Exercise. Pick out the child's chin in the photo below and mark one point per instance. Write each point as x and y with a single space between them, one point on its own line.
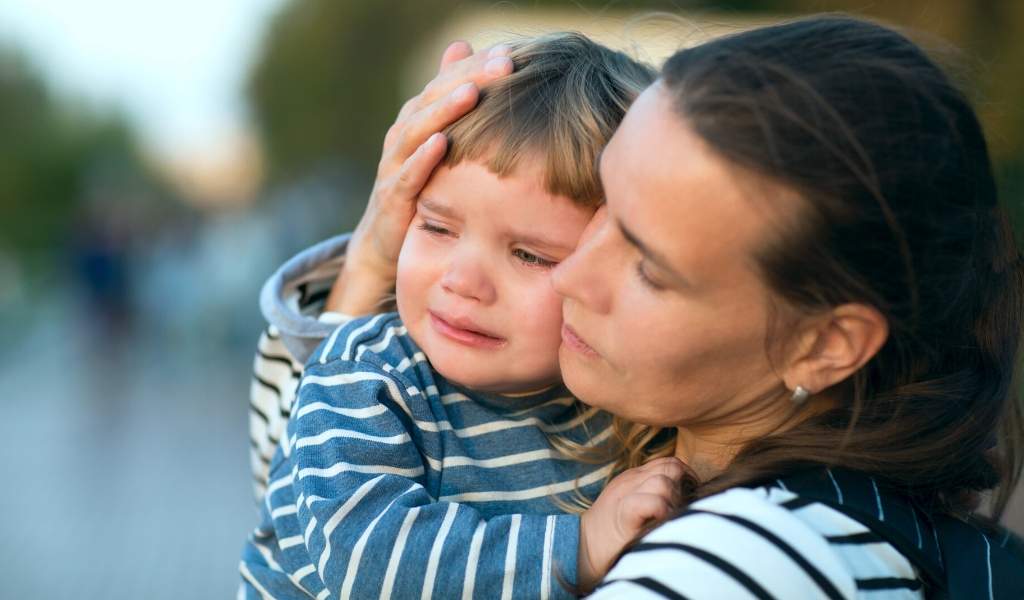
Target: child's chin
475 379
493 381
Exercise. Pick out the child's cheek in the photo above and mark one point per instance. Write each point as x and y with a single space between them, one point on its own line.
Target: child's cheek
408 268
543 313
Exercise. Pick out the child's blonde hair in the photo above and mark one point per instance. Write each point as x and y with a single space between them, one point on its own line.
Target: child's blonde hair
561 104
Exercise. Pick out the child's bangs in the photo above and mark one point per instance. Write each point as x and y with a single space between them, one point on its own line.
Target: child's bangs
559 106
504 145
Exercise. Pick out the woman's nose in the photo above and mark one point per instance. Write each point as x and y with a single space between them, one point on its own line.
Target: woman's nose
467 277
580 276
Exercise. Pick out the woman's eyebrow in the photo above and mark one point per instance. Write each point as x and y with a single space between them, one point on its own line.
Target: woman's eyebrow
655 257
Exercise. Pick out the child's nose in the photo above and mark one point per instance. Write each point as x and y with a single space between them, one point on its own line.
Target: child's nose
467 277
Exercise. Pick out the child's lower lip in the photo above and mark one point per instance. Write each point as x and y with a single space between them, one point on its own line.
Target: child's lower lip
464 336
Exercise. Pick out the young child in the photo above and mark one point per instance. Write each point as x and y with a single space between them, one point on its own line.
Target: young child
418 458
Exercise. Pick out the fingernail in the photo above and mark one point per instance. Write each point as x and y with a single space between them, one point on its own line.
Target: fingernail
499 50
463 91
498 66
434 139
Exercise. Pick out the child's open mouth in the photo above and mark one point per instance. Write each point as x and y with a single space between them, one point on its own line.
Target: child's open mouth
464 332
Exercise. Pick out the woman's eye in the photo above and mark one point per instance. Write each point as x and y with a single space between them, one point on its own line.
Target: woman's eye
532 259
646 279
434 229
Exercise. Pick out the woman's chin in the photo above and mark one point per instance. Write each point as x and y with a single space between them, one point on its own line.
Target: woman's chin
583 379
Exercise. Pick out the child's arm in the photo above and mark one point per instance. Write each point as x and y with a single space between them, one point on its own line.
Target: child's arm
358 516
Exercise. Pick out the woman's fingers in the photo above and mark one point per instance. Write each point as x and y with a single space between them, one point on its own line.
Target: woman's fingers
450 95
433 118
418 167
455 51
480 69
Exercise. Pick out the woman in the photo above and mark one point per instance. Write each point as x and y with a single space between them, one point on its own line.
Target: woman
802 266
820 186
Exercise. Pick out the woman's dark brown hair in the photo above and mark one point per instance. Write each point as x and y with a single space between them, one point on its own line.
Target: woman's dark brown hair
899 212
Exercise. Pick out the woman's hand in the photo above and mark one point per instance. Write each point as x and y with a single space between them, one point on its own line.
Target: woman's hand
412 149
631 502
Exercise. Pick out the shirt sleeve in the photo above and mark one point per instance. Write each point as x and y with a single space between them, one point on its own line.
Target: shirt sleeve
353 503
732 545
292 299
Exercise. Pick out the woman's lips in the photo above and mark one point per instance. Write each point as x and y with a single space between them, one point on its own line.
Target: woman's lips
461 332
572 340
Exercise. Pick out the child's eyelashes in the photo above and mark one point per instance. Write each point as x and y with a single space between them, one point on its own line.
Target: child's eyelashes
523 256
532 259
434 229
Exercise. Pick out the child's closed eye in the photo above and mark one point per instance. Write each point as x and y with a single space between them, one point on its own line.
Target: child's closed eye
433 229
531 259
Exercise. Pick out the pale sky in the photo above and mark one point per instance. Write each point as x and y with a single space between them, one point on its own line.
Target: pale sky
176 67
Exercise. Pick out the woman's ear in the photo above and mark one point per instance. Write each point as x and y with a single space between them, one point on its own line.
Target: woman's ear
834 346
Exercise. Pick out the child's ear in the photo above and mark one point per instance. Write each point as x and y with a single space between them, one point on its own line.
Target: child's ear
834 346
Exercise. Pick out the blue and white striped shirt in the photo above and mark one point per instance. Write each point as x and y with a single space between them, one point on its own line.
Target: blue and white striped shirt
393 482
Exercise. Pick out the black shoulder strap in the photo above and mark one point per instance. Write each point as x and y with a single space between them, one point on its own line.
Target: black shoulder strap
956 559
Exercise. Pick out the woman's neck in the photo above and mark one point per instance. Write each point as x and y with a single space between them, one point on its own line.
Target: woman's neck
708 449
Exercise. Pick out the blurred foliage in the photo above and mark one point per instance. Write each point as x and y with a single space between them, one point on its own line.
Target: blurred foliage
326 87
55 155
327 84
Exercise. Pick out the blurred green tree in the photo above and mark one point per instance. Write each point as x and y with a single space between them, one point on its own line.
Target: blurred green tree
49 151
325 87
327 84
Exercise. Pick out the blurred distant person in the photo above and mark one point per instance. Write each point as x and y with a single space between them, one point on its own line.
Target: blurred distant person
440 439
100 261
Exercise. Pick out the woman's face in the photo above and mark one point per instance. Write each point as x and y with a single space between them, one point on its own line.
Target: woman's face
665 315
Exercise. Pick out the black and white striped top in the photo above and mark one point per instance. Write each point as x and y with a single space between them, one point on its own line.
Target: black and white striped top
292 300
761 543
276 375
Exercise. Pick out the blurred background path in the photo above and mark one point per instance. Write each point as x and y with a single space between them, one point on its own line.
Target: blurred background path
124 469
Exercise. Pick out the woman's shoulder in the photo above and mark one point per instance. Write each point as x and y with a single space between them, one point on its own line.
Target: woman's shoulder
763 543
